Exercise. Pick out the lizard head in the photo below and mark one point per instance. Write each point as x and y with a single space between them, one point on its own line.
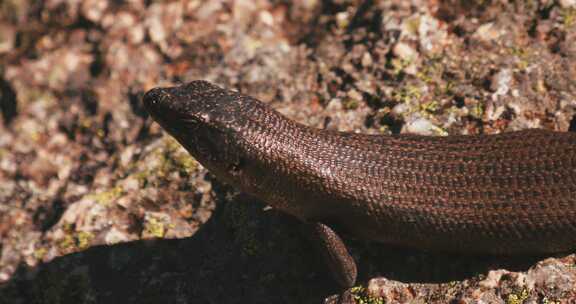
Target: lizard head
204 118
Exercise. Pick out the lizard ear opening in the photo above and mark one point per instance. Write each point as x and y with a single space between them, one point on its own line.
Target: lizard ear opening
206 145
212 145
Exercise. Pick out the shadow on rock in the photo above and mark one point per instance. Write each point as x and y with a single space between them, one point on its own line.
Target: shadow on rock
413 266
243 254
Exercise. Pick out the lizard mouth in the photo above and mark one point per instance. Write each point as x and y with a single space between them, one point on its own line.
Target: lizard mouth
186 107
164 108
168 108
157 102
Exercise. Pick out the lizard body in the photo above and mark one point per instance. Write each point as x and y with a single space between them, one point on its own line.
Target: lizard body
511 193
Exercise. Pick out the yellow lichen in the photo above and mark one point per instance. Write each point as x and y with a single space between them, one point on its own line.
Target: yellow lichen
430 70
518 298
524 56
40 253
477 111
108 196
154 227
449 88
142 177
548 301
429 107
83 239
350 104
100 133
174 158
74 240
569 16
407 94
67 243
361 296
398 65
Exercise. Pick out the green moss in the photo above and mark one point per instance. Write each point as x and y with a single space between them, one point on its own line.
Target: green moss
361 296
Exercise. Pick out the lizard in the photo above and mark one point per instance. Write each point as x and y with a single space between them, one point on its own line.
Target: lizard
508 193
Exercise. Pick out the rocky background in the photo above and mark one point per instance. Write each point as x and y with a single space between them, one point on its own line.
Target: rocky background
99 205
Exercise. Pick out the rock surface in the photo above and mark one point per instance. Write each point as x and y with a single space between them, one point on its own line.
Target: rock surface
98 205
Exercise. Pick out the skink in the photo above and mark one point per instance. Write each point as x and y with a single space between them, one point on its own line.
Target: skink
511 193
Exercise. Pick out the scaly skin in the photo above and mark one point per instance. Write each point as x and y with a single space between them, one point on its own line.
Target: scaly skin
512 193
